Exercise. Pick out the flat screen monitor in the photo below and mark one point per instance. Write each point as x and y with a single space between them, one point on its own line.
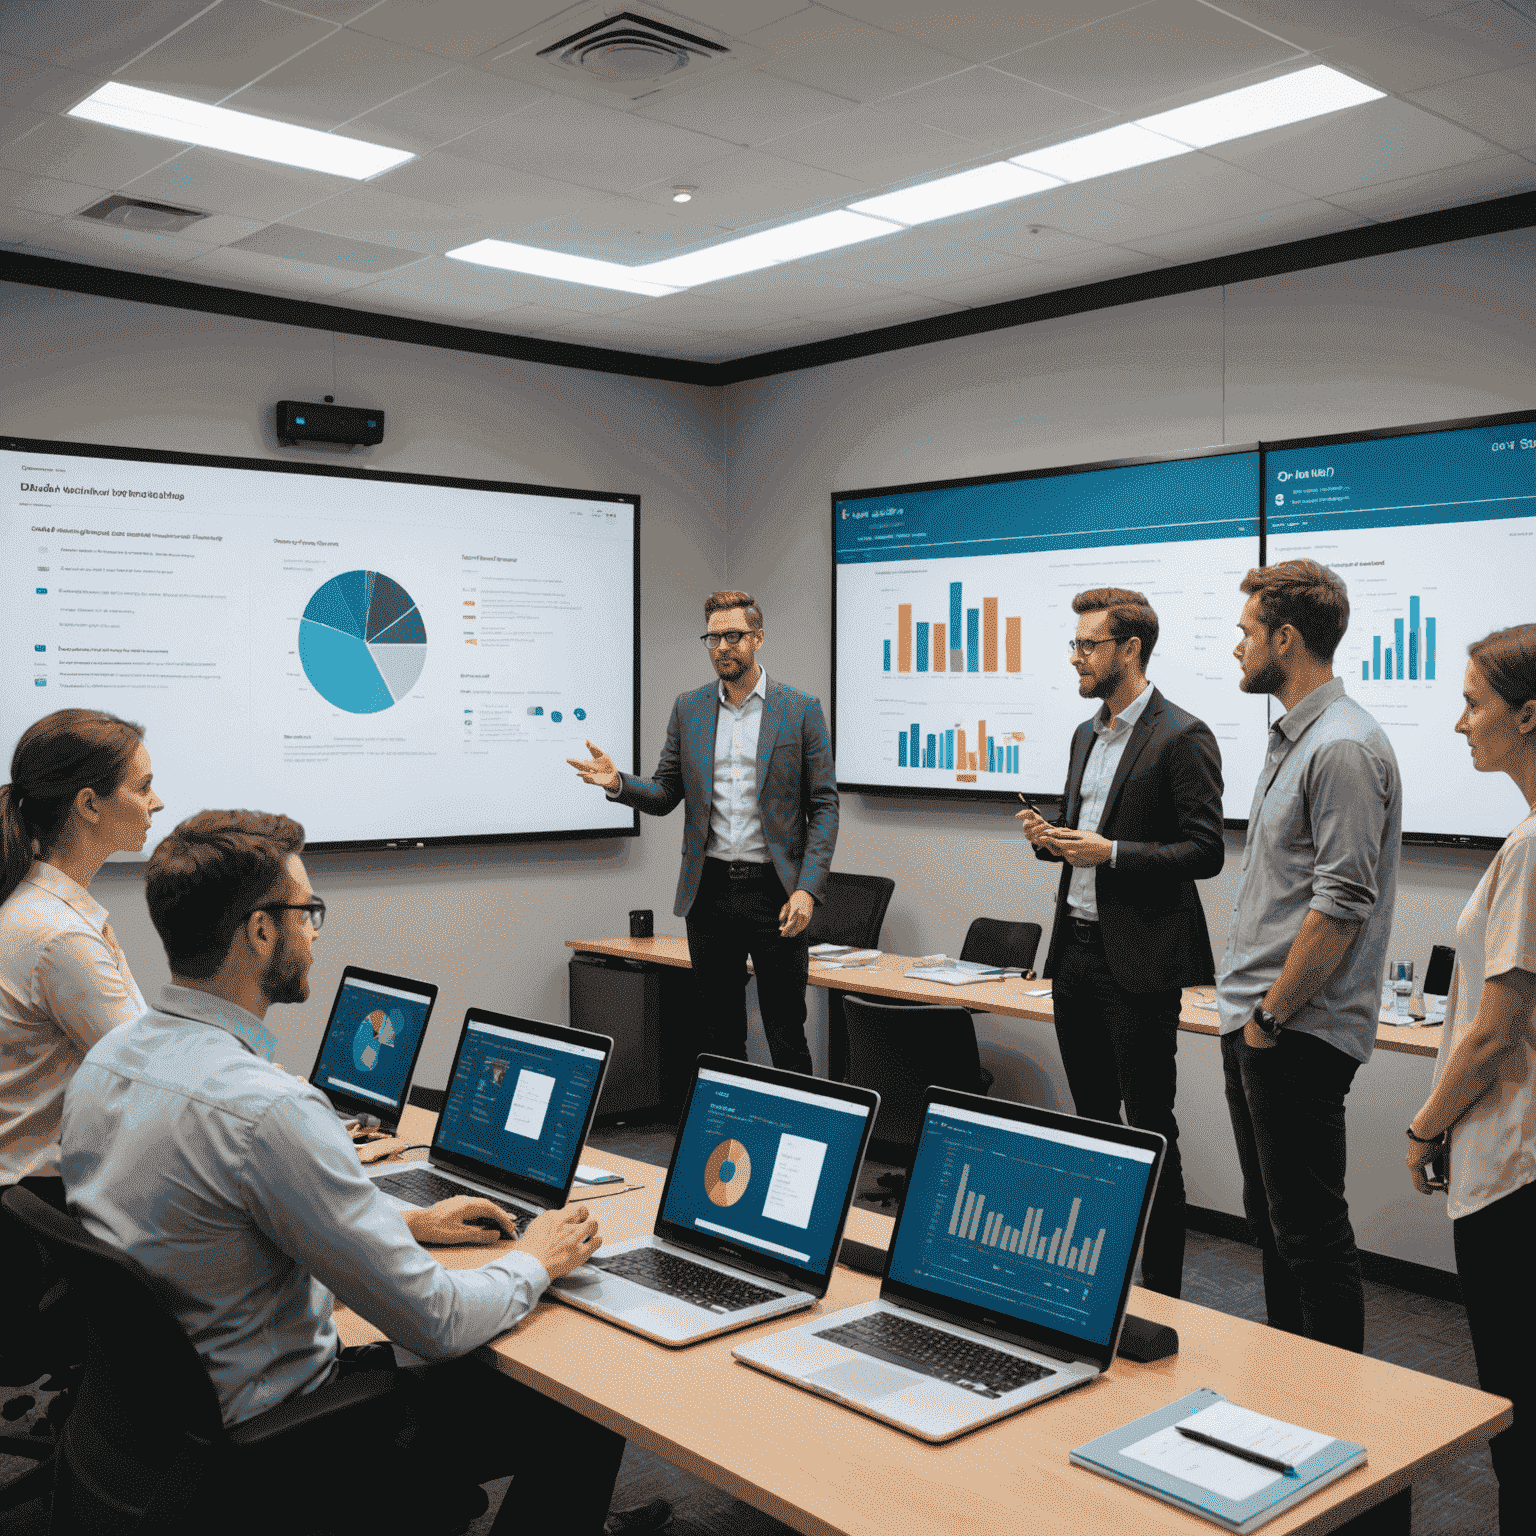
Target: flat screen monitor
394 660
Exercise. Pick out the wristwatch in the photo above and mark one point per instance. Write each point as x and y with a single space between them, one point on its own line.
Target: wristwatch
1268 1024
1428 1141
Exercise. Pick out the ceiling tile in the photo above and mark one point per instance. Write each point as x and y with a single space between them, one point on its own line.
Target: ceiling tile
1276 226
18 227
93 36
1322 23
510 200
735 18
89 239
591 146
977 30
223 49
792 290
896 309
218 229
876 146
242 269
846 57
15 121
1022 282
625 230
1500 106
1075 210
537 320
443 110
993 109
222 183
915 259
366 213
1471 41
484 290
1132 60
1176 194
1494 176
746 108
338 79
339 11
1380 141
42 194
89 153
748 187
454 29
42 87
292 243
700 310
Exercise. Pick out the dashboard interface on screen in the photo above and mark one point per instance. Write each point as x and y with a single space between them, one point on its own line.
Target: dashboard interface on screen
1435 535
371 1043
953 615
387 658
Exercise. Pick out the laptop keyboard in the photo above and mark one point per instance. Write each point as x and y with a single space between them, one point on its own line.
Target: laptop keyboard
961 1362
658 1270
420 1186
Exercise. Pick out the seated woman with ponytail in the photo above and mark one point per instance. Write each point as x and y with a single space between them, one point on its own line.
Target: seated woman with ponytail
79 792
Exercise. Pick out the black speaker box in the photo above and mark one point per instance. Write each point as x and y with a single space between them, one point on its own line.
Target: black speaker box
355 426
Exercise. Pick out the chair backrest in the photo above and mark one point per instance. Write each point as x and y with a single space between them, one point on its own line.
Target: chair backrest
145 1385
899 1051
851 911
994 941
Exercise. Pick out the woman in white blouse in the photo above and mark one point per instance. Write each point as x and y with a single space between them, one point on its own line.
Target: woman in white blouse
79 792
1482 1111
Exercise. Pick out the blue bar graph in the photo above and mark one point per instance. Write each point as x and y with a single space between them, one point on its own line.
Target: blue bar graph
1365 670
922 647
887 655
1411 656
949 749
973 639
912 750
930 757
1429 650
1376 655
1397 630
901 750
1413 639
954 616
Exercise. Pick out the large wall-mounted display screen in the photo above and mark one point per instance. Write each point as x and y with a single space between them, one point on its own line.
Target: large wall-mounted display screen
952 607
1435 534
392 659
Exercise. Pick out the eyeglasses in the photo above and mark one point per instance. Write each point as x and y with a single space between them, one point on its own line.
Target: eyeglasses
1087 647
314 911
729 636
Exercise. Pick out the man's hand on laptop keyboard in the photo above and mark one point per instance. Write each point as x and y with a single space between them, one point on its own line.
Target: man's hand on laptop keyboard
560 1240
449 1222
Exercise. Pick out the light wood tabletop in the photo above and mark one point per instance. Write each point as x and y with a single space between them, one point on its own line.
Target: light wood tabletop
828 1471
1012 997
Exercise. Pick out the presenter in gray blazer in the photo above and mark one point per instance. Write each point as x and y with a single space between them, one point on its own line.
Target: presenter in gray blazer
751 761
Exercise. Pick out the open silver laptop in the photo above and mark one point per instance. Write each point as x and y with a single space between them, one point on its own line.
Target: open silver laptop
762 1174
520 1101
1007 1275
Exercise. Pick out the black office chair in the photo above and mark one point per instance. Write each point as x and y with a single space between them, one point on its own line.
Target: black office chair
851 911
899 1051
994 941
145 1449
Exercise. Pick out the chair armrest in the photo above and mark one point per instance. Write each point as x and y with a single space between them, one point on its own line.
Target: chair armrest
335 1397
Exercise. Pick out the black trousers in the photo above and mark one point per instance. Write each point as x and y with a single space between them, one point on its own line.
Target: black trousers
1119 1049
731 919
1287 1110
1496 1287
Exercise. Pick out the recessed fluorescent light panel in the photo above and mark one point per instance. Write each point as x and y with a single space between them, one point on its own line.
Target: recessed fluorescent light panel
981 188
1273 104
241 133
1100 154
570 269
751 253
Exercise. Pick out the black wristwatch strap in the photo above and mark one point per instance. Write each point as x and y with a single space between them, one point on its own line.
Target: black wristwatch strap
1428 1141
1267 1022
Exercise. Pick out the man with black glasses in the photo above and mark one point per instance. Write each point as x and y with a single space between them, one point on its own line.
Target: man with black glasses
752 760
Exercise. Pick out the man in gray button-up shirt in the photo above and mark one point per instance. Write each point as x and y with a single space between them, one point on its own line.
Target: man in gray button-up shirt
1299 985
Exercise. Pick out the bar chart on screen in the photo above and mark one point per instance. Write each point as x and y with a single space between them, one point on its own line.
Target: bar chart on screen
1013 1234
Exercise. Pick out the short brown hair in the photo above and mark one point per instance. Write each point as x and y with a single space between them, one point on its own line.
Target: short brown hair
1306 595
206 877
723 602
1507 658
1131 616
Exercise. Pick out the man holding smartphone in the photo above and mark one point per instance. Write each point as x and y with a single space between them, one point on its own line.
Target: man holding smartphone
1141 822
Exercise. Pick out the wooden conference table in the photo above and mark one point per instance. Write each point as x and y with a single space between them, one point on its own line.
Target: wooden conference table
823 1469
1010 998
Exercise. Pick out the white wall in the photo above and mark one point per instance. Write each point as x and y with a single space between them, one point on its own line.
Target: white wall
1423 335
489 924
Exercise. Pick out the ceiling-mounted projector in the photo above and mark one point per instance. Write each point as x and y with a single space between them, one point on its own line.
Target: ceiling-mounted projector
351 426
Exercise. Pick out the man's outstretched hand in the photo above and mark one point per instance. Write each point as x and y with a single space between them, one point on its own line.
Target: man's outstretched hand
599 769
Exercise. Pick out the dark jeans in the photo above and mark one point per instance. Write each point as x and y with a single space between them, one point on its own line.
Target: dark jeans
1287 1109
1119 1048
1496 1287
729 920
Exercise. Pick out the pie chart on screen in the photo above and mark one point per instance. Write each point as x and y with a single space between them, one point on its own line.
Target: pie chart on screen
362 643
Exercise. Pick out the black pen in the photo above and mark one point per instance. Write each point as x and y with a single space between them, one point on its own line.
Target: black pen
1258 1458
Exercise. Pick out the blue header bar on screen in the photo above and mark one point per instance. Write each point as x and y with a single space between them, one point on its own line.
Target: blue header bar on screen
1171 501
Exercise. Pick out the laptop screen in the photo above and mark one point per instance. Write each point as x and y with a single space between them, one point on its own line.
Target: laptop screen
372 1041
765 1168
520 1100
1028 1221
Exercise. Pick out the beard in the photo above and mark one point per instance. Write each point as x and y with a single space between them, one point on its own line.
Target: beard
286 978
1105 687
730 666
1270 678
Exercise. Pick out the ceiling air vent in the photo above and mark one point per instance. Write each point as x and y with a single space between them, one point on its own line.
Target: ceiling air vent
136 213
628 49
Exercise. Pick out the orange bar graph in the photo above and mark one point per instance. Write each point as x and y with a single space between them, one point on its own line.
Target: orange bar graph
904 637
939 653
1012 649
980 762
960 756
989 634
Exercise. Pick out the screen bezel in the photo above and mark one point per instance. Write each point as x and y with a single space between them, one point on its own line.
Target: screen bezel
551 1197
353 1103
400 477
783 1272
1014 1330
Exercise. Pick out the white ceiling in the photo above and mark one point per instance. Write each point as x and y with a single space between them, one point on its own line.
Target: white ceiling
817 106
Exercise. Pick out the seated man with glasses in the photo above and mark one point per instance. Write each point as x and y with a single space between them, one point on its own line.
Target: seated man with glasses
233 1182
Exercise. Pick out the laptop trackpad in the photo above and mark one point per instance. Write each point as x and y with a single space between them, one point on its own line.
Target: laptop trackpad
862 1380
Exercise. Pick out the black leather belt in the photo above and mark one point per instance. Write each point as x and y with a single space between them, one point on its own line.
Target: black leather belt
1081 931
740 869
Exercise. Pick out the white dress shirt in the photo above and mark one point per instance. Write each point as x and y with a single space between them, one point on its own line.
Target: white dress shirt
62 987
233 1181
1098 774
735 822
